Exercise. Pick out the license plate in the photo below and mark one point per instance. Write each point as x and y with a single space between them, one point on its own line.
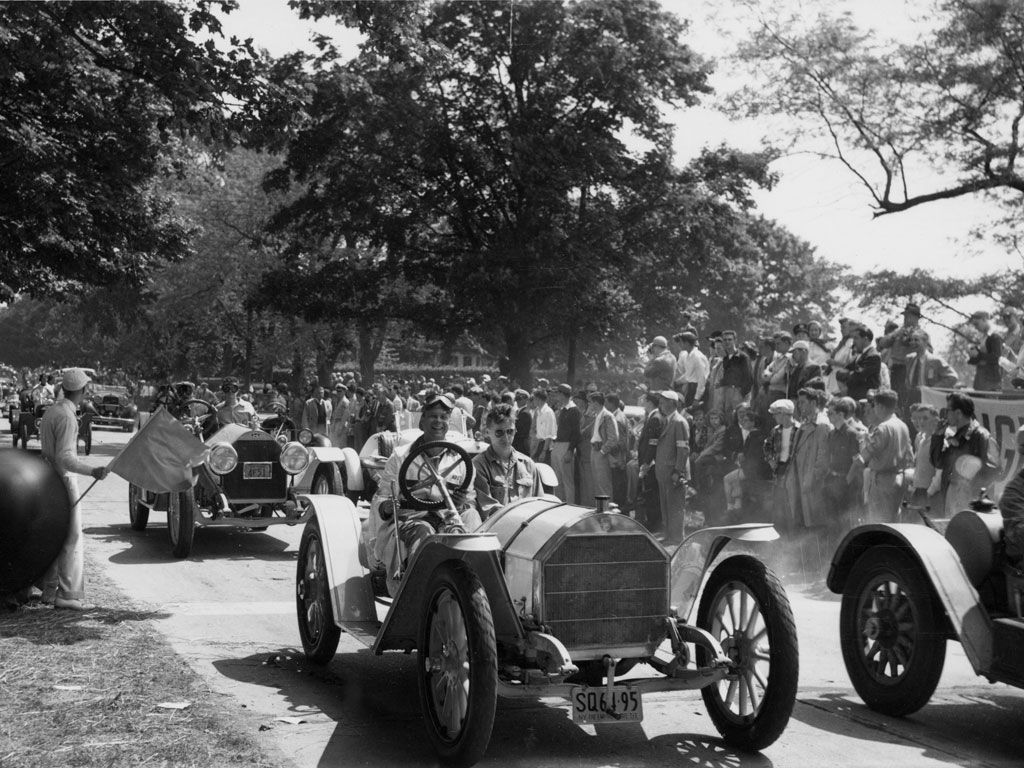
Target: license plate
256 470
595 705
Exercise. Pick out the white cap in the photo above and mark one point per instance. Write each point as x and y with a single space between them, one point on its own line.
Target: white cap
74 380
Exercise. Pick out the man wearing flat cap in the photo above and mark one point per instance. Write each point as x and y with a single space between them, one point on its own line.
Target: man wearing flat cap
567 438
672 464
434 422
64 582
988 375
887 452
661 368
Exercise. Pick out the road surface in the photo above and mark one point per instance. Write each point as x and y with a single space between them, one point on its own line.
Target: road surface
229 611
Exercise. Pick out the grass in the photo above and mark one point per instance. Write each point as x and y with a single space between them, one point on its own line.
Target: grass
82 689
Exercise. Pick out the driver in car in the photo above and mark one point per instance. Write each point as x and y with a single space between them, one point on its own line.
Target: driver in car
234 410
434 421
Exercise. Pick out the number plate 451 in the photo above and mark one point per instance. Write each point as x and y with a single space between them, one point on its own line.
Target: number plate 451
596 705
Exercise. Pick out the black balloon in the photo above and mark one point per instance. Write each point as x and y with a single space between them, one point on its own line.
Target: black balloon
35 513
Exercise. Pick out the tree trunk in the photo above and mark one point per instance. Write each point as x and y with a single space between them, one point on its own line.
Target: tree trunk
516 363
250 347
570 363
371 341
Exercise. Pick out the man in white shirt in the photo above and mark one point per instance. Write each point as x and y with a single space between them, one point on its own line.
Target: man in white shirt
42 393
547 426
235 410
694 376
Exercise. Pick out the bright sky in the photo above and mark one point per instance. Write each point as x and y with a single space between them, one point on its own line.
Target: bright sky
817 200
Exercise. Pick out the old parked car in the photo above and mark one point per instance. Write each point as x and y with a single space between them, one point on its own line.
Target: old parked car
908 588
114 407
247 480
548 599
28 423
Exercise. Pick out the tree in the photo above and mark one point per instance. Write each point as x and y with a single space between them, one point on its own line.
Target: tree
481 155
95 99
947 106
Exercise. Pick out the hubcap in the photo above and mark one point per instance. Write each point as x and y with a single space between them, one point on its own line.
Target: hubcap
888 625
737 623
447 665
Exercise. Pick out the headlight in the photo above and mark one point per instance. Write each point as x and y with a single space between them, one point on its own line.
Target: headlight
305 436
294 458
223 458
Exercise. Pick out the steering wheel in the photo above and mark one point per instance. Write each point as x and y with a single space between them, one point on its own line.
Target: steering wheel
283 424
423 478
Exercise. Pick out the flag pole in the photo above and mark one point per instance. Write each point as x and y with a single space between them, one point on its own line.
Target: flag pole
82 495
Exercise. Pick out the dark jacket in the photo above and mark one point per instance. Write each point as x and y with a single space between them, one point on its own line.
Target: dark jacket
799 376
988 376
865 372
749 453
521 442
647 444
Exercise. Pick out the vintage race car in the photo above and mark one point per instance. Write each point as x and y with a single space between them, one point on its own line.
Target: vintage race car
28 418
908 588
247 480
114 407
548 599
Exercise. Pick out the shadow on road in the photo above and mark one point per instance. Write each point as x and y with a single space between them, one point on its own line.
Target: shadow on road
153 546
373 700
957 729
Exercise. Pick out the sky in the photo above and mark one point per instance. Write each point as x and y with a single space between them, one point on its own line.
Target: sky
816 199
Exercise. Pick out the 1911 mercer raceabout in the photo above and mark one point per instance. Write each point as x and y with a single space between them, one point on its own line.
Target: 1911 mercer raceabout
551 599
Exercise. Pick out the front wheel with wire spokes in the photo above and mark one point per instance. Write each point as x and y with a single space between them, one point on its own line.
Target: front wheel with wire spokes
893 644
458 664
746 610
319 633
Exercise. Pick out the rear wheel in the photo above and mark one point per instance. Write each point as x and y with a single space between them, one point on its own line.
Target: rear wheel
317 629
893 643
458 665
138 513
86 436
181 524
23 433
746 610
327 480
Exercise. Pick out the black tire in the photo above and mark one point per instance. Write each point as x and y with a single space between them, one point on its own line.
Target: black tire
23 432
138 513
763 644
893 665
87 440
457 647
181 523
327 479
317 629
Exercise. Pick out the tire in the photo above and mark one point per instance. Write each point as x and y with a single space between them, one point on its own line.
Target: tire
23 432
885 584
457 616
87 440
181 523
751 707
138 513
327 479
317 629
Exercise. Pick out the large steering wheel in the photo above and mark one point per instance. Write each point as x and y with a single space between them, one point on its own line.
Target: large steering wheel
423 477
278 425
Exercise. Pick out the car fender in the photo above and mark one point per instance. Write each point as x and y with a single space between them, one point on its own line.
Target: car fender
690 562
348 580
940 564
353 470
480 552
326 454
548 478
318 455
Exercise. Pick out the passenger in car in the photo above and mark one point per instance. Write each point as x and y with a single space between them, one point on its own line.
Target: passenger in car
501 473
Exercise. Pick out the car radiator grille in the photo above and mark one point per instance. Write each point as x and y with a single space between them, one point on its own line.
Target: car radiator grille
260 449
605 591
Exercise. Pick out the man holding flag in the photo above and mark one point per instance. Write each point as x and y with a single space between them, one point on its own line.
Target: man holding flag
64 582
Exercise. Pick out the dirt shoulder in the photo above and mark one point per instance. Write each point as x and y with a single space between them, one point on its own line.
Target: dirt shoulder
85 689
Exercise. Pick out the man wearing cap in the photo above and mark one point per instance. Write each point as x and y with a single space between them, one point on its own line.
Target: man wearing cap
661 368
886 453
235 410
962 481
865 372
988 375
434 422
64 582
898 342
693 376
567 438
524 421
800 370
672 464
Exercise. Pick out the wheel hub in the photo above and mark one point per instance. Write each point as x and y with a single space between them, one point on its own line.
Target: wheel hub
881 628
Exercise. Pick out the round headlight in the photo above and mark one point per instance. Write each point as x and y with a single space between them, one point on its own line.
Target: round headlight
305 436
294 458
223 458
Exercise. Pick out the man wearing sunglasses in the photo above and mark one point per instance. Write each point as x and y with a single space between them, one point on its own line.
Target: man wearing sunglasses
234 410
502 474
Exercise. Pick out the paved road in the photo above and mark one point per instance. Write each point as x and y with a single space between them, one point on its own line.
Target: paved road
228 611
